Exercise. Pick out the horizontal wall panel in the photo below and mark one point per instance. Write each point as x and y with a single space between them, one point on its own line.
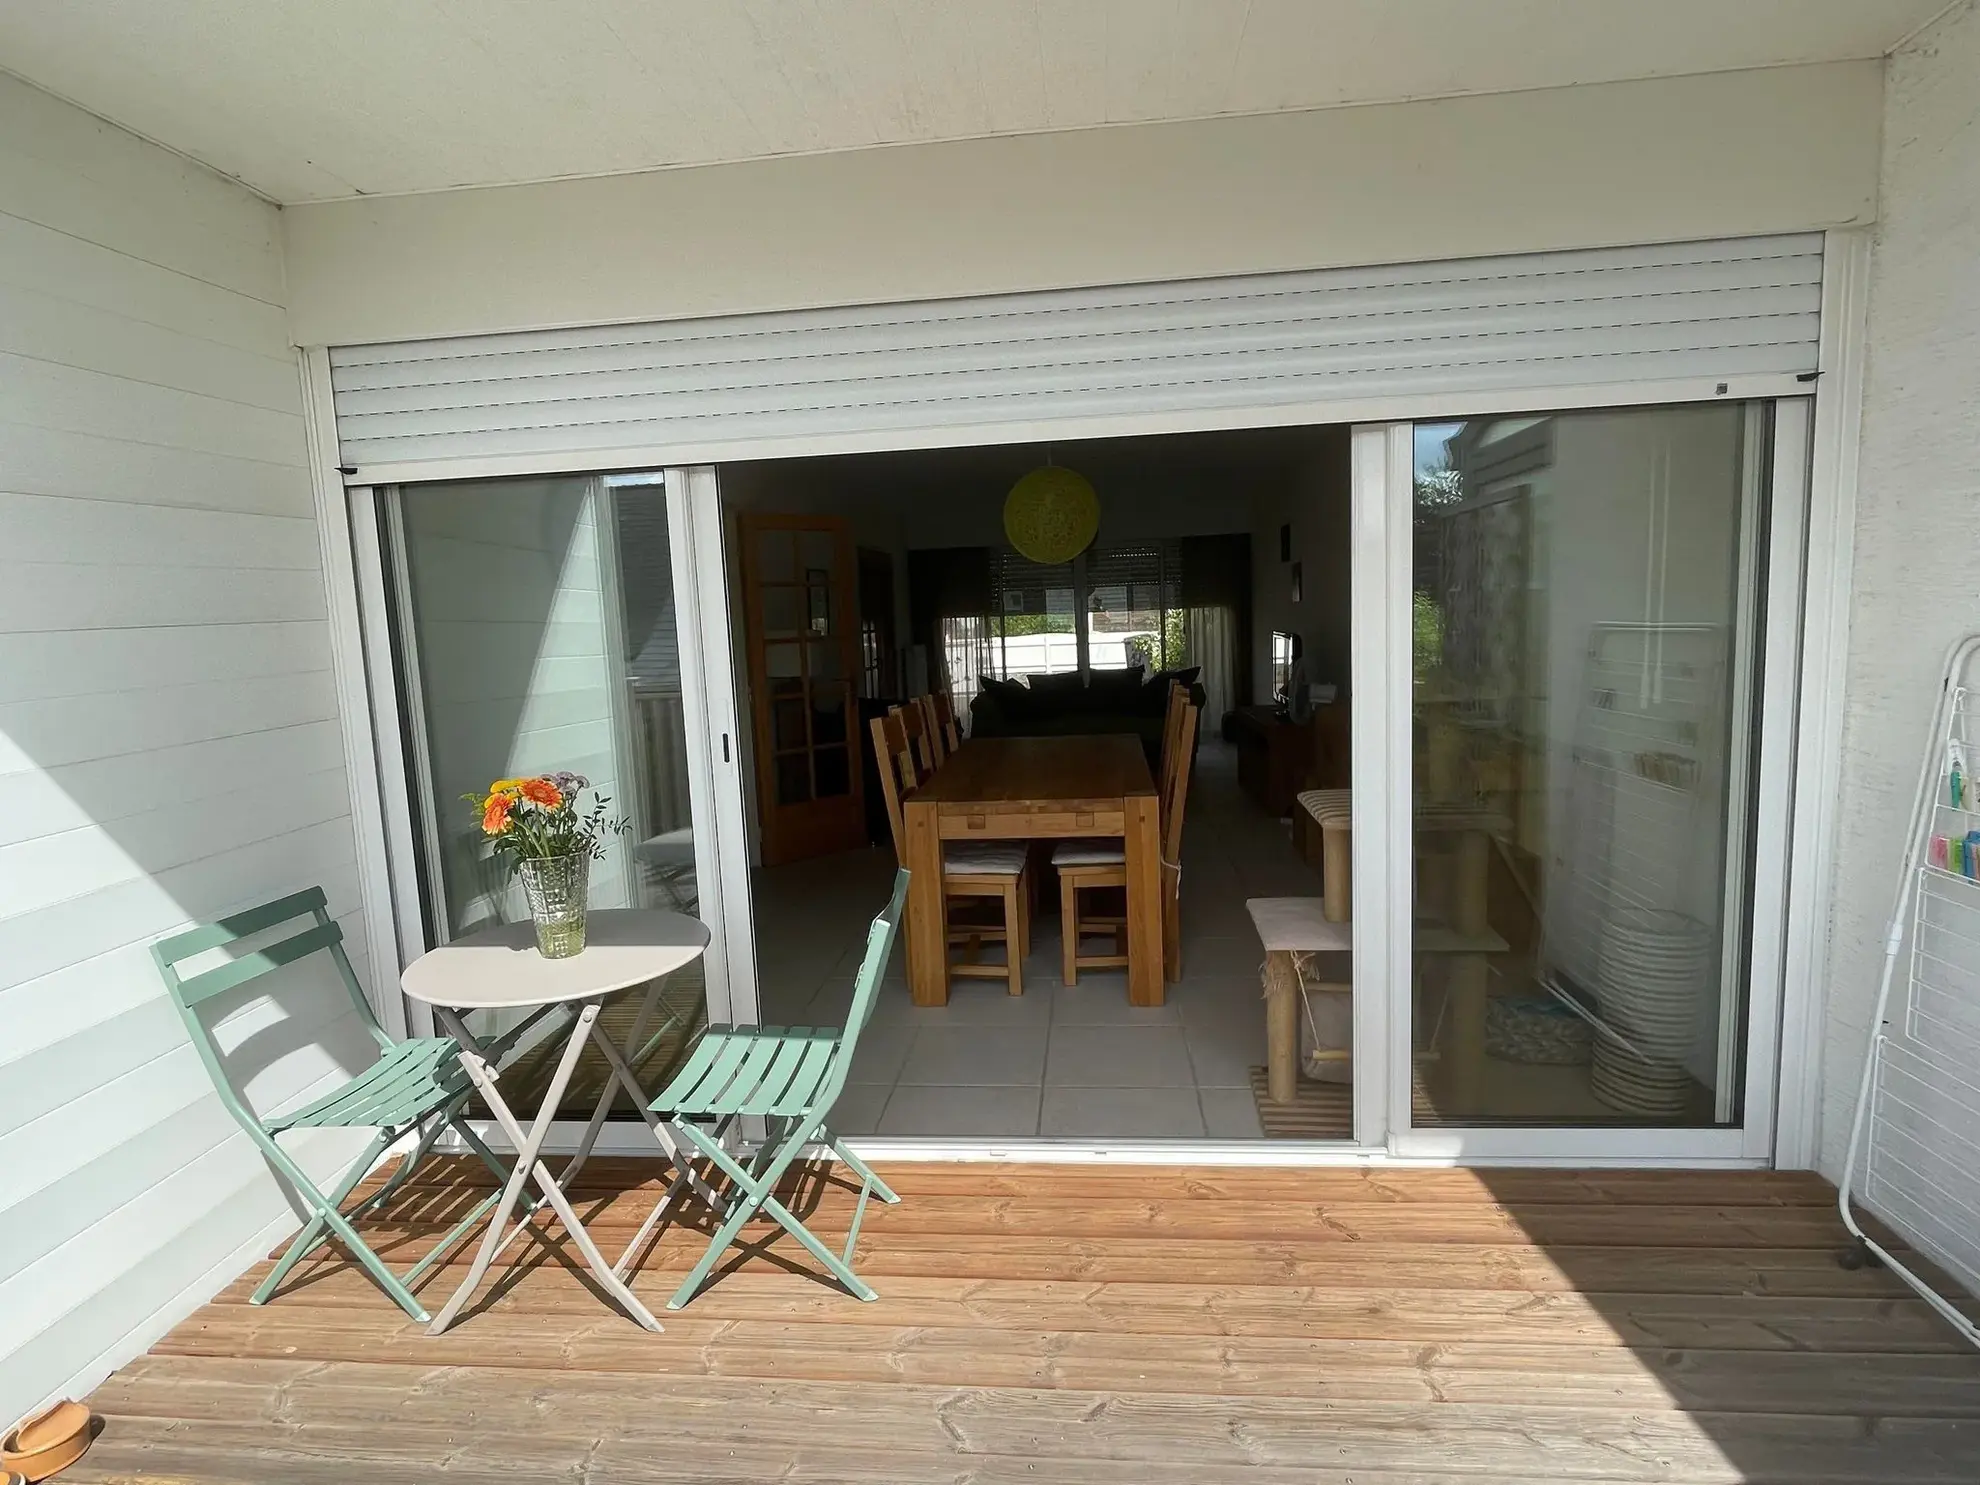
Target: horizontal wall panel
1649 314
169 743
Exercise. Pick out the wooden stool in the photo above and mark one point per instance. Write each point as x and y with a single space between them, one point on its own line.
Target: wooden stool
1295 925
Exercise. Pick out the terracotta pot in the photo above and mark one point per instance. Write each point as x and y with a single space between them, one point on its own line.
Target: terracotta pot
50 1441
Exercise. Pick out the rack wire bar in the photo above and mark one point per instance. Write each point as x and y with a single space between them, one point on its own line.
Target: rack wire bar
1914 1142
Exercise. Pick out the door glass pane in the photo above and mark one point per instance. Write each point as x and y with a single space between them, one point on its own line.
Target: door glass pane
828 715
793 778
834 775
783 611
1580 740
543 622
776 556
817 551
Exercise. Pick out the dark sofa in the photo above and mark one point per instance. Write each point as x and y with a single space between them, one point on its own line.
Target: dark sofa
1064 706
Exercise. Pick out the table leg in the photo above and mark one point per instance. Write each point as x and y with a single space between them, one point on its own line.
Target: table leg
529 1148
1142 818
927 907
619 1074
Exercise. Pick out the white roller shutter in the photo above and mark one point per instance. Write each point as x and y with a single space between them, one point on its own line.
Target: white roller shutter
1619 315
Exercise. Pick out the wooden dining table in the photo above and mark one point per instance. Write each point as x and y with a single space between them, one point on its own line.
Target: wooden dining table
1035 788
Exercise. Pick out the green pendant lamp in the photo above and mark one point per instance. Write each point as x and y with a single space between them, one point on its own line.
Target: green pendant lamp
1052 515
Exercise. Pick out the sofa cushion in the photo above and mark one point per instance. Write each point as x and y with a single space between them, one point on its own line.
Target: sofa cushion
1108 689
1064 685
1012 701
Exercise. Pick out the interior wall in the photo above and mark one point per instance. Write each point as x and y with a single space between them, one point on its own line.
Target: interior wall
1670 159
169 742
1917 503
1313 499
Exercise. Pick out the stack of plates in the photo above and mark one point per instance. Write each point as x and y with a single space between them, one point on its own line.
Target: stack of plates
1654 972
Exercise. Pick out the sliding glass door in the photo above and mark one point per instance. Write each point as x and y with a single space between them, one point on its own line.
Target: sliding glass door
555 624
1578 695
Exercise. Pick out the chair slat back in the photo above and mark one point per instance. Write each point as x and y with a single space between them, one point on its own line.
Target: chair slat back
895 759
190 992
866 989
1175 787
931 728
946 725
1172 722
914 724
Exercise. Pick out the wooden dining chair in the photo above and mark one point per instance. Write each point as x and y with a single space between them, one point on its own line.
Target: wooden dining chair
974 870
1090 865
1172 722
947 728
920 744
931 727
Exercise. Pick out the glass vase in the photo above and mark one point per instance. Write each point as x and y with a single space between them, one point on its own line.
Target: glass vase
555 887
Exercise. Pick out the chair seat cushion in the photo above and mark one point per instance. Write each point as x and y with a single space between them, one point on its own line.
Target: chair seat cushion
984 858
1090 853
751 1070
411 1080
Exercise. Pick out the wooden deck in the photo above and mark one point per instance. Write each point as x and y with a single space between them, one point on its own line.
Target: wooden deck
1108 1324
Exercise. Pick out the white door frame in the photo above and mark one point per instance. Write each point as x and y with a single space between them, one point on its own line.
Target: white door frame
370 721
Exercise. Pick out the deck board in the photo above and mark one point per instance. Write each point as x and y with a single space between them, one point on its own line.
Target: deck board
1103 1324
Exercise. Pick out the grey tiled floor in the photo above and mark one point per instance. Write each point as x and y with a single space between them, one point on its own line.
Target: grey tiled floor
1059 1061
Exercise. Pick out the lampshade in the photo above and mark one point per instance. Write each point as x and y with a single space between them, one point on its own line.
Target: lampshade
1052 514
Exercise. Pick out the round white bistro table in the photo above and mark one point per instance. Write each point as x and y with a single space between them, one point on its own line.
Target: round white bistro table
499 969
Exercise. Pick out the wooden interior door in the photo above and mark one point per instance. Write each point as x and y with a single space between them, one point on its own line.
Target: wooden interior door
801 613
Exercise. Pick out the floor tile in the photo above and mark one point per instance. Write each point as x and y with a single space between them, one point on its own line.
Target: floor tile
1121 1113
1119 1057
974 1113
976 1054
859 1107
975 1003
1223 1056
1216 1003
1100 999
1230 1114
881 1052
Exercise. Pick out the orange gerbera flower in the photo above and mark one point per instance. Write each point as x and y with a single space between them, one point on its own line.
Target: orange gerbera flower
541 791
495 816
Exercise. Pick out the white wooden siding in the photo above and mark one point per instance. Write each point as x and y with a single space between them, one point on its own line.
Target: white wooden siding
169 748
1918 504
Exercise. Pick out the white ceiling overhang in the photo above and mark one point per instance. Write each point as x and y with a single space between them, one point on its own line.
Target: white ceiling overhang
309 100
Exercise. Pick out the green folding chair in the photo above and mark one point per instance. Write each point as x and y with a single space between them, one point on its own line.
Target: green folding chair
414 1085
790 1077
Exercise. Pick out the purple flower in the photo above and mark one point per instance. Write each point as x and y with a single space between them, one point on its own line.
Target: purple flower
569 783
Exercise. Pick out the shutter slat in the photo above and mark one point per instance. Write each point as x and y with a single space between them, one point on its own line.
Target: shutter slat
1610 316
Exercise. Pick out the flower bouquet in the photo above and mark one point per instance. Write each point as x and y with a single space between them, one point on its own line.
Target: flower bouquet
535 825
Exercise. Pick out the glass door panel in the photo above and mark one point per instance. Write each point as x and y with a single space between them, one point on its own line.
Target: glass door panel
1584 619
538 632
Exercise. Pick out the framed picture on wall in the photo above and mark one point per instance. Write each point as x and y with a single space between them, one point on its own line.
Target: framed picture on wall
1285 542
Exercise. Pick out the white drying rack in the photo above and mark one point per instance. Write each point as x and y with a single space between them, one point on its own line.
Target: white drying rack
1914 1145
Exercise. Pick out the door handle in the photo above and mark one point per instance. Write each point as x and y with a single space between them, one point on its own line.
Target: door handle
725 747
